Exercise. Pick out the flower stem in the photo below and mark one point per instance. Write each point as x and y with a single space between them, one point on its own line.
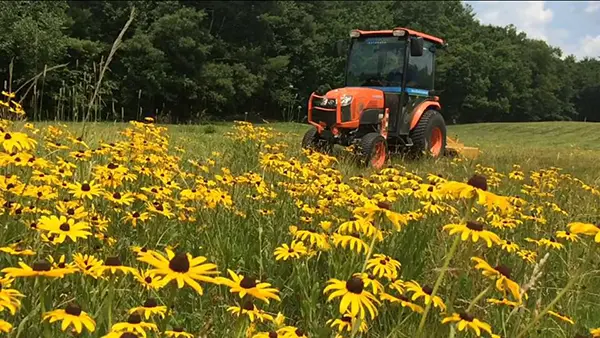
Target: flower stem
562 292
478 298
437 284
111 295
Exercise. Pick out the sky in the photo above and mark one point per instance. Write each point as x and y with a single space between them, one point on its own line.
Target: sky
573 26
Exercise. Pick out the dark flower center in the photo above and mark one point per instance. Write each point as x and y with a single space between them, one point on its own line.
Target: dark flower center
61 265
148 279
73 309
160 207
7 136
41 266
290 250
466 316
94 218
430 189
272 334
346 319
136 214
384 205
403 298
113 261
85 187
552 239
134 319
479 182
10 186
427 289
180 263
112 166
383 262
71 211
33 225
248 306
248 283
150 302
116 195
475 226
355 285
178 329
508 243
504 270
65 227
299 332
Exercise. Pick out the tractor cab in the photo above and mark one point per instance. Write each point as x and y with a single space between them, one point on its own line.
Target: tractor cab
388 91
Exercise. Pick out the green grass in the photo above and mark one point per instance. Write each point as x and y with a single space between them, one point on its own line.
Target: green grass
246 244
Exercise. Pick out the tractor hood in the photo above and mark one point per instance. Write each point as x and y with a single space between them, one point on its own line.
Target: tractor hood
359 98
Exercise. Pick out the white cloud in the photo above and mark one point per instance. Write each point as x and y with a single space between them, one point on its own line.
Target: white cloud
593 6
590 47
531 17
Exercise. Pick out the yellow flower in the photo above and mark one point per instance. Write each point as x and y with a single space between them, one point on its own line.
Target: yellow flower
501 275
425 292
15 249
475 230
149 280
113 265
347 322
585 229
403 301
178 332
150 308
504 301
251 311
181 267
383 265
16 141
465 321
40 268
71 315
85 190
353 242
87 264
509 246
135 325
5 326
567 235
353 295
63 228
246 285
294 250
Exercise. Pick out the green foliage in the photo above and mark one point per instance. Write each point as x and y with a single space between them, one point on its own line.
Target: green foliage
185 61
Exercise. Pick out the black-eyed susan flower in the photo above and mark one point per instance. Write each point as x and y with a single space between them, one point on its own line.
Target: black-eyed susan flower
134 324
503 301
595 332
527 255
474 230
402 301
291 332
149 309
9 298
383 265
346 323
5 326
353 296
87 264
134 217
561 317
250 310
41 268
181 267
425 292
295 250
353 242
398 220
63 228
178 332
465 321
501 275
548 243
148 280
567 235
16 249
113 265
509 246
245 285
314 238
371 282
72 315
16 141
85 190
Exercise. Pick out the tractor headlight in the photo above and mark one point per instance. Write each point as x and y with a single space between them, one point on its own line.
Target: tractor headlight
346 100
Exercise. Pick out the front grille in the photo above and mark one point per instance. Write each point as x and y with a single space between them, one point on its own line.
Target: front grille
328 117
346 113
318 102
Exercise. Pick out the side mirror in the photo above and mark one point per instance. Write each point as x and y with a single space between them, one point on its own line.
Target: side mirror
416 46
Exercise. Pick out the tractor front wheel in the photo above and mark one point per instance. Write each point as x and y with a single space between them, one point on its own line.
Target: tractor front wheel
373 148
429 136
312 140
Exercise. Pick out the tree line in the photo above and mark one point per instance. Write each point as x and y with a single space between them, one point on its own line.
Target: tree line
187 61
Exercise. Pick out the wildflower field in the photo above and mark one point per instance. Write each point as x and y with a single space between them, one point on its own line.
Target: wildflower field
143 230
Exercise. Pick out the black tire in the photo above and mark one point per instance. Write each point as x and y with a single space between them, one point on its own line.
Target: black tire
368 148
311 140
421 136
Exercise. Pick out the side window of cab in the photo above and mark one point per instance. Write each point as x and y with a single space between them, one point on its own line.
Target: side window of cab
420 69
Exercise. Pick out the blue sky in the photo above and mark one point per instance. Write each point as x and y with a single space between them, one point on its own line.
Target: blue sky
573 26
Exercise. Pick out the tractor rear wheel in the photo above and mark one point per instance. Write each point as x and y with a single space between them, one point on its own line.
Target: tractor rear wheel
311 140
429 136
373 148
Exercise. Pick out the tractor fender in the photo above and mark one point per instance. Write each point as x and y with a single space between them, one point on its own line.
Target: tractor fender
371 116
422 108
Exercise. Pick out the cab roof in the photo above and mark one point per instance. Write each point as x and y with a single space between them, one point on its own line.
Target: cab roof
408 31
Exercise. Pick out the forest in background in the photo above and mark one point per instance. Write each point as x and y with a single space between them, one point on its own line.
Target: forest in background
198 60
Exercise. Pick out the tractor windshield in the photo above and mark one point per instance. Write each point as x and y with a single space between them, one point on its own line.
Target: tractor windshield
376 61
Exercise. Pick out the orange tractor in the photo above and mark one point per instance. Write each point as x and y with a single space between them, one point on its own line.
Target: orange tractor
388 103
